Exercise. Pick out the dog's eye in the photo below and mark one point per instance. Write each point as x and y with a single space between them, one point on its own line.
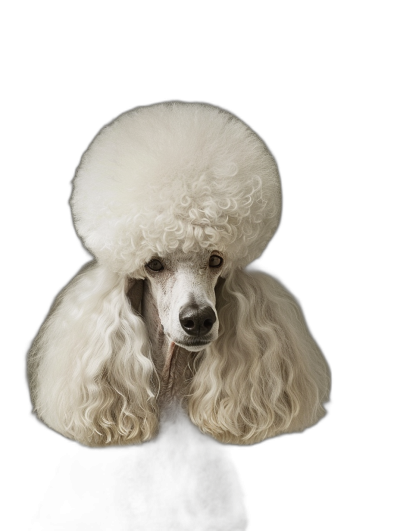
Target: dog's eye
155 265
215 261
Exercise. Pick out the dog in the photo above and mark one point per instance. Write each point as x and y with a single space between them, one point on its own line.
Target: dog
174 200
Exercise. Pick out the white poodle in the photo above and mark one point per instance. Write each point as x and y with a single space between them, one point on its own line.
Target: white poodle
174 200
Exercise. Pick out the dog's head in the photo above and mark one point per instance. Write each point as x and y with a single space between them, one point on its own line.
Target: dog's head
183 287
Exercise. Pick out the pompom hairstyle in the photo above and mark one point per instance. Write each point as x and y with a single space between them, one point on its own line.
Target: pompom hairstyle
175 175
160 178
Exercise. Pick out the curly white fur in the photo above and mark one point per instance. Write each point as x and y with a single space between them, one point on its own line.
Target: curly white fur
93 375
187 178
171 176
264 375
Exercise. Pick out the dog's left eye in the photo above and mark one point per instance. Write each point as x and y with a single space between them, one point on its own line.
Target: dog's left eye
215 261
155 265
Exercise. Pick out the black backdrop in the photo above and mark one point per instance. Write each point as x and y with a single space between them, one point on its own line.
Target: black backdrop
302 108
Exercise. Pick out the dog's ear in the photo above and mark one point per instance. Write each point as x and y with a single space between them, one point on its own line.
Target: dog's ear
90 368
264 375
134 292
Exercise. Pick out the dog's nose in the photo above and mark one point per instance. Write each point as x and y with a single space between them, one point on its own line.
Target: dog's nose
197 320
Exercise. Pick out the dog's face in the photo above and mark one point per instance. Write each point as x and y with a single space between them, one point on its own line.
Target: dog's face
183 286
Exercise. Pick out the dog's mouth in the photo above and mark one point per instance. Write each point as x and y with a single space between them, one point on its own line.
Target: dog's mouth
193 345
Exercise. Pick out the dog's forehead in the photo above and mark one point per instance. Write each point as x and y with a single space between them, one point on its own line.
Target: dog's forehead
192 260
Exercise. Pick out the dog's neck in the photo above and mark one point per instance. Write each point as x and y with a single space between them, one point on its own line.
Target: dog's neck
171 362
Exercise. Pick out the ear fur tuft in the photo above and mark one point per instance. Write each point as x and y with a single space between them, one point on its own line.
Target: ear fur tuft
90 369
264 375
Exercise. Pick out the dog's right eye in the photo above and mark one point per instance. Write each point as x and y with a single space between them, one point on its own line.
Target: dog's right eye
215 261
155 265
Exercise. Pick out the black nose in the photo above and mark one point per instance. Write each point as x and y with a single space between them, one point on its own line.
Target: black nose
197 320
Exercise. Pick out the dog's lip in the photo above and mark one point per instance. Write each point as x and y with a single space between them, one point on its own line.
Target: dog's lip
195 343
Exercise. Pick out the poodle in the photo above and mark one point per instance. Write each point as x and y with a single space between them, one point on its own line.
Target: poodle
174 200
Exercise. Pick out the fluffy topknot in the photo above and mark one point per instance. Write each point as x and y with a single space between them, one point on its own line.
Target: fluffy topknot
175 175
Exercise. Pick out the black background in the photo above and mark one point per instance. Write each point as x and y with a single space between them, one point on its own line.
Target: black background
300 94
